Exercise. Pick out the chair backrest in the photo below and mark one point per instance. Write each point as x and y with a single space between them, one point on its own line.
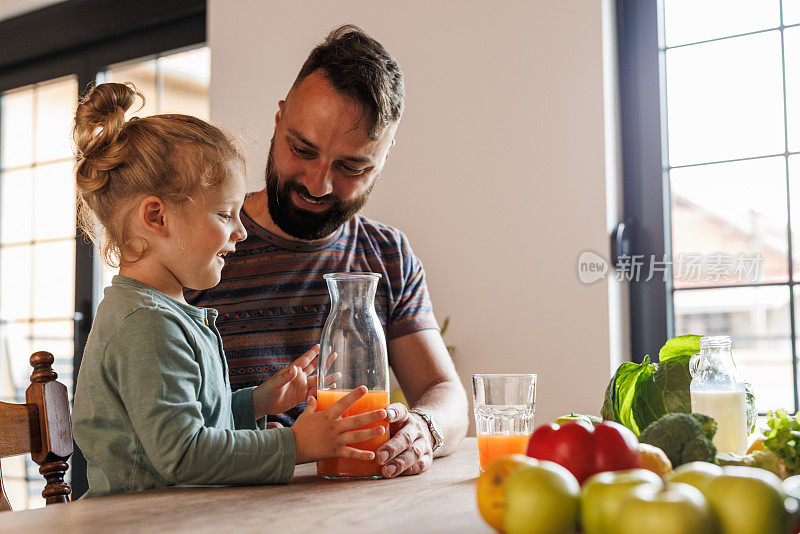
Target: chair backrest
42 427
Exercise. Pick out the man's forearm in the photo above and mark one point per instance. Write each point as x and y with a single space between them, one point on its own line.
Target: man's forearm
446 402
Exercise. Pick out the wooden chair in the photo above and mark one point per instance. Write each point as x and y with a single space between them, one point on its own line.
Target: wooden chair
42 427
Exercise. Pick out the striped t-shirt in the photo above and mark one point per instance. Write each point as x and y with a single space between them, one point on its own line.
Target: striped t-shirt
273 301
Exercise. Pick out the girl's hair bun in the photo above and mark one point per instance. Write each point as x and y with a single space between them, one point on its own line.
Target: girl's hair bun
99 120
173 157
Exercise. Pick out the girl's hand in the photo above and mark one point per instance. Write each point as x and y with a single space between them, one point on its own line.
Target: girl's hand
291 385
326 434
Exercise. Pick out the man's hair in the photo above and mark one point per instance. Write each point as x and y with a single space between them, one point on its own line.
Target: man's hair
359 67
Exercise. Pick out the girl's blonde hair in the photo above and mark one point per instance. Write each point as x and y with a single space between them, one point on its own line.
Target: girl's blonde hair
173 157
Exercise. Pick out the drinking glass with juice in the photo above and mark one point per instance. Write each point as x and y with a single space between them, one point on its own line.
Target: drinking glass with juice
504 408
354 333
493 446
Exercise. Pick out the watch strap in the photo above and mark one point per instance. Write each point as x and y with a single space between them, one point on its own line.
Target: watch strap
433 428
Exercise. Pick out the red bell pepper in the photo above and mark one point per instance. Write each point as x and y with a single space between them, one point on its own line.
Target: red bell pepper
585 449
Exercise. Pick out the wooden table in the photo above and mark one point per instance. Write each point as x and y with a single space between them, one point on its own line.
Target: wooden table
439 500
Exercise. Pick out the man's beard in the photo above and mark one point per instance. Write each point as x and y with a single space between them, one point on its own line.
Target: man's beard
302 224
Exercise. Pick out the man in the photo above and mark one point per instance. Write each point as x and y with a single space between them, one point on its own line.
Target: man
333 134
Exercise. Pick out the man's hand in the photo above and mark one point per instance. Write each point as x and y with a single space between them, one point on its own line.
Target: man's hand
291 385
410 449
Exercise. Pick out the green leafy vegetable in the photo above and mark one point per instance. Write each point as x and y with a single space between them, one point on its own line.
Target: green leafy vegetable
783 438
680 346
640 394
750 406
631 382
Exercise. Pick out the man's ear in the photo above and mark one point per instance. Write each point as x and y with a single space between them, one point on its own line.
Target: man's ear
278 113
152 216
389 151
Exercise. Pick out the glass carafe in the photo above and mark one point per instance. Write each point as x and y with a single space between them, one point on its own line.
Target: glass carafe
354 333
718 390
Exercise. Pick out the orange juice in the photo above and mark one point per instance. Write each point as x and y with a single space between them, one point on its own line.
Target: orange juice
348 467
492 446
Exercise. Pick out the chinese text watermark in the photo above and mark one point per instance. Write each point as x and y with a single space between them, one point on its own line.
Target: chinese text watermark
716 268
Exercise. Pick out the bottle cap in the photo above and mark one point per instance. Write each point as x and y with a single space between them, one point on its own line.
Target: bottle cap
715 342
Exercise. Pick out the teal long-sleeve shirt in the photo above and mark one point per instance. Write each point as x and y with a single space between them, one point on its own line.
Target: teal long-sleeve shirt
153 403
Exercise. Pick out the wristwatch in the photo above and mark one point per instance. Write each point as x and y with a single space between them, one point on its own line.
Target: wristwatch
436 433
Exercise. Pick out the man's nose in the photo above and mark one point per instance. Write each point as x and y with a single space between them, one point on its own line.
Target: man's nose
319 179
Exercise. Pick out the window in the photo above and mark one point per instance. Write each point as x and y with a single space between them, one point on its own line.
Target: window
721 113
50 278
37 231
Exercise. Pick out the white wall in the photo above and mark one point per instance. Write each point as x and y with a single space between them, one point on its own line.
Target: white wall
499 173
15 8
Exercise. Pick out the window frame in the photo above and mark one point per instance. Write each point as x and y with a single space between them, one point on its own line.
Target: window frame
82 38
646 173
644 181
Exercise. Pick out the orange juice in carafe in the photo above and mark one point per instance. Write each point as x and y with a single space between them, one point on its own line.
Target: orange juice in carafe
349 467
355 335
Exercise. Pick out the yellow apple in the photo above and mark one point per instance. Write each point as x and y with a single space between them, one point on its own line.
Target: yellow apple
603 494
748 500
677 509
541 499
697 474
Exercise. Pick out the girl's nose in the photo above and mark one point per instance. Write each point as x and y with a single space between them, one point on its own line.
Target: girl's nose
319 180
239 233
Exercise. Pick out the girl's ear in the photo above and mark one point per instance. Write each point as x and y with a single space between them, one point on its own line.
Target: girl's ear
152 215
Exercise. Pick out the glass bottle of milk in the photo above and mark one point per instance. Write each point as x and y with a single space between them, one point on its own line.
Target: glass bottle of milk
718 390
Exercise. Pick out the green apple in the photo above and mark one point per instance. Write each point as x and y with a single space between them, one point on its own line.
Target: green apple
541 499
677 509
748 500
697 474
603 494
571 418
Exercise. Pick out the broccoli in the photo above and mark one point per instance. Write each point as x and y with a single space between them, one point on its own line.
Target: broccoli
683 437
707 425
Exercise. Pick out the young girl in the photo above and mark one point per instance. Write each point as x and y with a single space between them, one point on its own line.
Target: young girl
153 404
